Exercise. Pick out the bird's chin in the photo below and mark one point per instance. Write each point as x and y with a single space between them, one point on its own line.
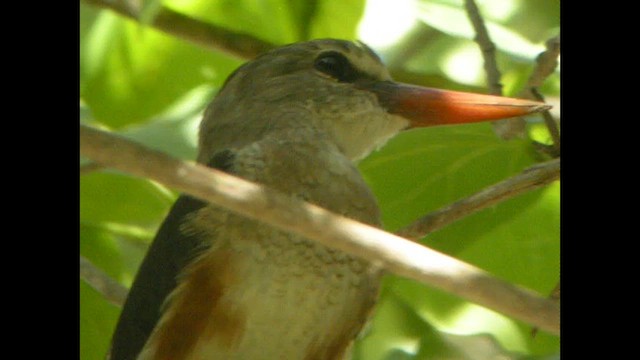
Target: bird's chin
368 134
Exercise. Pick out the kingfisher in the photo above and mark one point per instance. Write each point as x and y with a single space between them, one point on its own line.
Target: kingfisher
216 285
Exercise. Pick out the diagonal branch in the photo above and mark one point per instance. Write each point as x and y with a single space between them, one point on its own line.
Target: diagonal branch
532 178
555 296
395 254
101 282
196 31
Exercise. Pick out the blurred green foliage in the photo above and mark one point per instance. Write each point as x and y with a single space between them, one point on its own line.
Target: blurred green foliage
152 87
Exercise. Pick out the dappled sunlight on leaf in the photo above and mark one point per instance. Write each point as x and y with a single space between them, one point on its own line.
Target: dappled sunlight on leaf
400 332
175 130
131 72
422 170
120 198
453 20
517 240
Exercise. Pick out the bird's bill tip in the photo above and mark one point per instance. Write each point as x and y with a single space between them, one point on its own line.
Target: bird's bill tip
424 106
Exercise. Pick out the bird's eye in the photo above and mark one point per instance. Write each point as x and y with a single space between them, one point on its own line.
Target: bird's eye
335 65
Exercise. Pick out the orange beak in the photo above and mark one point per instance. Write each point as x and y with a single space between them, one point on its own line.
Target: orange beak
428 107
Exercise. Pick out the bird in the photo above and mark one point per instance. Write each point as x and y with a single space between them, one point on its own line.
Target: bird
216 285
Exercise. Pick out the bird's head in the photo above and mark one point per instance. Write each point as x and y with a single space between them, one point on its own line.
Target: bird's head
339 89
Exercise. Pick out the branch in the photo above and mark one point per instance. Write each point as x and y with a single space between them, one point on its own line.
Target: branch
237 44
395 254
546 64
508 128
532 178
196 31
555 296
89 168
550 123
101 282
220 39
486 46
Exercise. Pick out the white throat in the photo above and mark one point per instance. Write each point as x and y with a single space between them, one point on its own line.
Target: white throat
366 133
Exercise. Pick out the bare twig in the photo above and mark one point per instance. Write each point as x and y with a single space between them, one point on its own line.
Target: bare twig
549 122
199 32
101 282
531 178
508 128
546 64
487 47
548 150
395 254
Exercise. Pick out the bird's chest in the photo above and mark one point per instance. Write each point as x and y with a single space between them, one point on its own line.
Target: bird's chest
267 294
312 170
260 293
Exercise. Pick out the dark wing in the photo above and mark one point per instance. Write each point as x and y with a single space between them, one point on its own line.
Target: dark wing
170 251
156 278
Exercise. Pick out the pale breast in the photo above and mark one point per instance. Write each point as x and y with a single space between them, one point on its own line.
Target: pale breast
261 293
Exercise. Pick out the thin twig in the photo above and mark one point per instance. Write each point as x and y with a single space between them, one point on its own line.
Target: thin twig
531 178
549 122
546 64
395 254
196 31
547 150
486 46
101 282
508 128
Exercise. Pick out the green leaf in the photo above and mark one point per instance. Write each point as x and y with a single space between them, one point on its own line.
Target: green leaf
246 16
421 170
97 320
100 247
303 13
451 18
175 130
129 72
149 10
517 240
113 197
394 333
399 332
337 19
114 248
